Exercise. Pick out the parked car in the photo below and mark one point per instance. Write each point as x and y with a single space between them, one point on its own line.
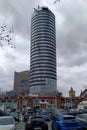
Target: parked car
7 112
83 110
27 114
83 120
15 116
7 123
1 113
65 122
74 112
36 123
46 116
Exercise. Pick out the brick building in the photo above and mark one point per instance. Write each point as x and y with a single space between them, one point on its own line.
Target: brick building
21 82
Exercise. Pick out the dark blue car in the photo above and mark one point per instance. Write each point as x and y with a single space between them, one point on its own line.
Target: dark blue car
65 122
46 116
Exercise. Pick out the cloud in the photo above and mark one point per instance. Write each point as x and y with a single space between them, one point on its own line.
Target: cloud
71 39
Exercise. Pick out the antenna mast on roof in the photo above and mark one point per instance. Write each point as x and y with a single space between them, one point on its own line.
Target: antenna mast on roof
38 4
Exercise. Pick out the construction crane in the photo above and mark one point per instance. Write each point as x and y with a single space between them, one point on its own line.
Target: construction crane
56 1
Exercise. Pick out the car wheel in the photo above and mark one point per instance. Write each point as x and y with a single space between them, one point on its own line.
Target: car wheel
52 127
25 128
59 128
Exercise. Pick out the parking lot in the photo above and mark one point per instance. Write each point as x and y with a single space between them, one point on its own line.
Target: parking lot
56 119
21 126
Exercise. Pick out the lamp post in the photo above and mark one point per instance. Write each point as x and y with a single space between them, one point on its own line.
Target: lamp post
71 103
65 103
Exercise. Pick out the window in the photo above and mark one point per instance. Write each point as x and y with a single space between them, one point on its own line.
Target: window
23 83
15 100
3 100
9 100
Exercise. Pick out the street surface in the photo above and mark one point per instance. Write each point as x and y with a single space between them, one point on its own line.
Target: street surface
21 126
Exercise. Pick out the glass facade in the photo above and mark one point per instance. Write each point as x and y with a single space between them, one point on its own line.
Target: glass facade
43 52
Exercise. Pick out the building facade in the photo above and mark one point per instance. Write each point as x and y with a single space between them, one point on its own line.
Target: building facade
71 93
83 93
21 82
43 77
49 102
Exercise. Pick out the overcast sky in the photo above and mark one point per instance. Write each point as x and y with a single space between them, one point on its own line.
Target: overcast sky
71 40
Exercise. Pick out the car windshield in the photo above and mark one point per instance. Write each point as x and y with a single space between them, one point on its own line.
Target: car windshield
84 117
6 121
13 114
68 118
29 112
36 118
44 113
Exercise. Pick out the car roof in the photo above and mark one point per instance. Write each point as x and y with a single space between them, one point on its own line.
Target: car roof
84 114
6 117
37 116
68 116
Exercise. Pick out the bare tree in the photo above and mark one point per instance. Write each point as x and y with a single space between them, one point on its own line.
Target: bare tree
6 36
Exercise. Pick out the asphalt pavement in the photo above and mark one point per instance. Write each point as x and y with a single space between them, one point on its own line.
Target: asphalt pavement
21 126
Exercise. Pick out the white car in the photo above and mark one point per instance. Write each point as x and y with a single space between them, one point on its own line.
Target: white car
7 123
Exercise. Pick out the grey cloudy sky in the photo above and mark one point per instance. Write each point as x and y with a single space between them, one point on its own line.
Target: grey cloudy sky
71 40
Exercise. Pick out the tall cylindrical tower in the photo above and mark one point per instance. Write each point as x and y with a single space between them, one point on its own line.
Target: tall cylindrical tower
43 52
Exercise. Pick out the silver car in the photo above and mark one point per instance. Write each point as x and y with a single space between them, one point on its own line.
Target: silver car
7 123
83 120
